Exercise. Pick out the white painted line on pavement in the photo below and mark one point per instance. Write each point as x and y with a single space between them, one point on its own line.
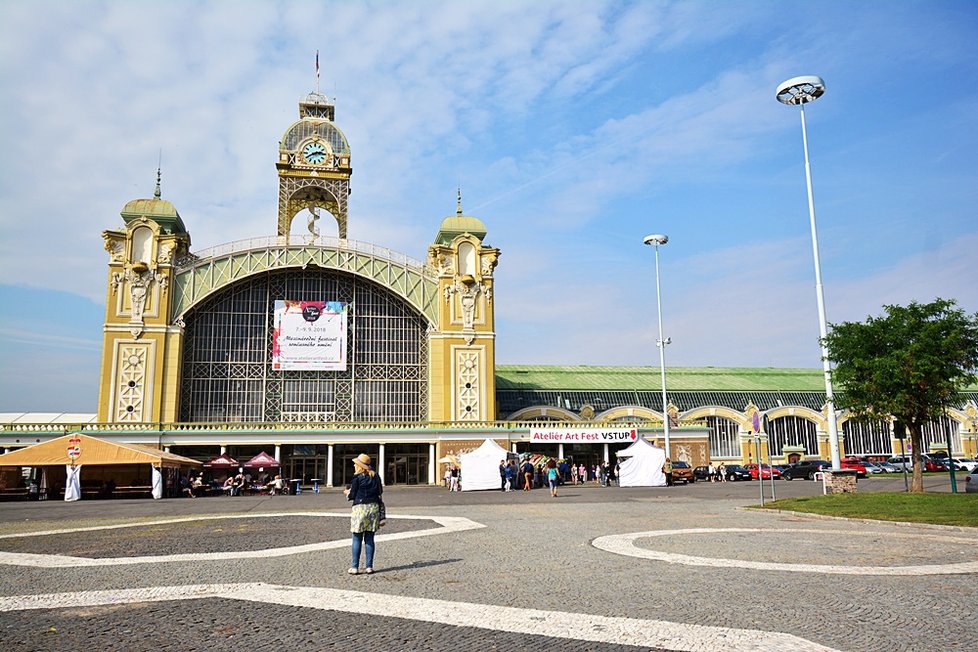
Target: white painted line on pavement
448 525
554 624
624 544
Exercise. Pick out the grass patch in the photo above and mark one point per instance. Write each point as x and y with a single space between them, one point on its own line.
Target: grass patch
939 509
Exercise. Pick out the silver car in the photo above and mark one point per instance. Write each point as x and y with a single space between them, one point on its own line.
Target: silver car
971 482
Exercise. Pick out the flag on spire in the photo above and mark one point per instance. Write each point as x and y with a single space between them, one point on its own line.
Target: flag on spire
317 70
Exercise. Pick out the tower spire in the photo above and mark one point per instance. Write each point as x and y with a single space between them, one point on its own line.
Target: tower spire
458 206
157 194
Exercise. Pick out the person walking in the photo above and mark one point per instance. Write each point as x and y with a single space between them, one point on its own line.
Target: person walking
722 472
454 480
667 469
510 474
552 477
365 491
712 472
502 475
581 474
573 473
527 470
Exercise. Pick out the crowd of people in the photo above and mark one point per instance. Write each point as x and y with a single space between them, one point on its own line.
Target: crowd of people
235 485
526 475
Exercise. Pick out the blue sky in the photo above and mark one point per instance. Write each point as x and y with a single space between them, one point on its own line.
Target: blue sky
573 128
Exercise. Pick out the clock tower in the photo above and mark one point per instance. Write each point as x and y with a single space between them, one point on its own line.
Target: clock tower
313 168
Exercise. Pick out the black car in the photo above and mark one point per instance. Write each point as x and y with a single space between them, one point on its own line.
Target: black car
701 473
805 469
736 472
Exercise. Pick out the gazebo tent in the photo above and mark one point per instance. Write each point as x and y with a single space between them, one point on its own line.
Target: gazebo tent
261 460
223 461
480 468
641 465
92 451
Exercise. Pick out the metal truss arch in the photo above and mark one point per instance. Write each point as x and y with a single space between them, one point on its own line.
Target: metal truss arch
200 276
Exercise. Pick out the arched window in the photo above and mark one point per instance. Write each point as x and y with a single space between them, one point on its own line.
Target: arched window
935 432
466 259
867 437
142 245
791 431
724 437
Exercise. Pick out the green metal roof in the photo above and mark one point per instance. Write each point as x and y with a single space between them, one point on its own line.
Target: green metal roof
594 378
648 378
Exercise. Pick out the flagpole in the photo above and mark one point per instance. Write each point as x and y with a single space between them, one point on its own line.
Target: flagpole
317 72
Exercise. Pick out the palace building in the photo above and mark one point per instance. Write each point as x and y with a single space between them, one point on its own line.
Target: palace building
317 348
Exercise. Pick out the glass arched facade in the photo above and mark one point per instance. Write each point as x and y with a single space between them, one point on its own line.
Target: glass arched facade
867 437
792 431
724 437
227 371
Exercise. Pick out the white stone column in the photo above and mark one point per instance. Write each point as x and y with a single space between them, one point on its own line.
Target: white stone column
329 465
560 451
166 449
380 464
224 449
432 465
606 459
278 453
514 447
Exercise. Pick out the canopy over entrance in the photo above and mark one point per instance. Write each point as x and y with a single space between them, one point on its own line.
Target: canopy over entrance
92 451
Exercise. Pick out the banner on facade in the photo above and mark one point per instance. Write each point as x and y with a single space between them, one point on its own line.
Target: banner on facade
582 435
309 335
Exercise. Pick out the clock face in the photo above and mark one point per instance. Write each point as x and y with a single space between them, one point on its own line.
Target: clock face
315 153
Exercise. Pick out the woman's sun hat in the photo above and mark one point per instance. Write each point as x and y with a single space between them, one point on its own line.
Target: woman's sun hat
362 461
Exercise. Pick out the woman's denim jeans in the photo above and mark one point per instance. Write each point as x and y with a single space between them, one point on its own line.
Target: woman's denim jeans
365 540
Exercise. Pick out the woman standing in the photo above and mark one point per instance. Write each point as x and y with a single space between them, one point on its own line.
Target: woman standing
365 492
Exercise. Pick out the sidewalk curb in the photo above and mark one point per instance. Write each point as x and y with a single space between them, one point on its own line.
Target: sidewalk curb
826 517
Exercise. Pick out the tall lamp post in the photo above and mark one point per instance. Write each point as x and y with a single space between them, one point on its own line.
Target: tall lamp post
800 91
657 239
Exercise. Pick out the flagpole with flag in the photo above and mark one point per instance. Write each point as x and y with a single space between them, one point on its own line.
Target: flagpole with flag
317 72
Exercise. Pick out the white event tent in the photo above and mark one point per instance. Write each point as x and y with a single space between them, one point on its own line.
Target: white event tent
641 465
480 468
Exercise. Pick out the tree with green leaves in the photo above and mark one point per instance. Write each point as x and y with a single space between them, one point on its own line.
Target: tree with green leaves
910 365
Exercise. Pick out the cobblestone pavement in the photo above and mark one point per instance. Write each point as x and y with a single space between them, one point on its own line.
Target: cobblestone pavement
531 578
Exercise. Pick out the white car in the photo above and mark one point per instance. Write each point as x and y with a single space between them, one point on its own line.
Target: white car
964 464
902 462
971 482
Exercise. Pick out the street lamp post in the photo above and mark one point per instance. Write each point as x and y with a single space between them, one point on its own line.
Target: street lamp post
800 91
657 239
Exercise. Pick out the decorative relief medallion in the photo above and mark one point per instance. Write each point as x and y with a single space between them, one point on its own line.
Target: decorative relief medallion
467 404
131 383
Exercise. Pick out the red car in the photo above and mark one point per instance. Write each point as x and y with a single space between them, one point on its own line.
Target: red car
766 471
855 465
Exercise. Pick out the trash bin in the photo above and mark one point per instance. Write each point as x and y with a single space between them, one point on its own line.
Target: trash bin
315 485
296 487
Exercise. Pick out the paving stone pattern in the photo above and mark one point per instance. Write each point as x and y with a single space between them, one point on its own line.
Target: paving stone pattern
535 552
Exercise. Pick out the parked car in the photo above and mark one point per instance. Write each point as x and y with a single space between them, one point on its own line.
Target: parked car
782 467
736 472
889 468
902 462
872 467
934 464
682 472
806 469
964 464
701 473
971 482
765 471
853 464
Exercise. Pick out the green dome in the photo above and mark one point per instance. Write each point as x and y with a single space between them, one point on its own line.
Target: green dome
458 224
159 210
